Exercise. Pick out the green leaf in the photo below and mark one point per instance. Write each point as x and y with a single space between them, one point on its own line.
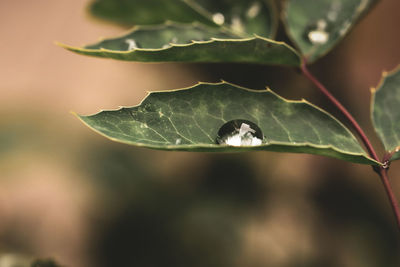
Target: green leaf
189 119
190 43
386 112
317 26
243 16
143 12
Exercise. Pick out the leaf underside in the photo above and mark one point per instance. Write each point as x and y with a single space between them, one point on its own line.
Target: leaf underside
190 43
386 112
189 120
317 26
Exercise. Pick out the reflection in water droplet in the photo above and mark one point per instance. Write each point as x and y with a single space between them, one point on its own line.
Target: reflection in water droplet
240 133
131 44
253 10
218 18
317 33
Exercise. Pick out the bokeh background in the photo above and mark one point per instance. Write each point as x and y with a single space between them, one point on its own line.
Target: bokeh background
69 194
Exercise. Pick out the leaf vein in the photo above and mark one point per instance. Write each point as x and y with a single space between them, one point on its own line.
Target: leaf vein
282 126
180 134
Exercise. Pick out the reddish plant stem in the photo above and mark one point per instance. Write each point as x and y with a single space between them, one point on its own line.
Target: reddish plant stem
392 198
342 109
382 171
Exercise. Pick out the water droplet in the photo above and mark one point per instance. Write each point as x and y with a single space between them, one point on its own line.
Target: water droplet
149 107
386 164
132 45
178 141
334 11
318 37
174 40
321 24
134 114
218 18
317 33
240 133
253 10
237 24
332 16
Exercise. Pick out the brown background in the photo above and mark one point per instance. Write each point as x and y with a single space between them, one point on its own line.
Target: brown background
72 195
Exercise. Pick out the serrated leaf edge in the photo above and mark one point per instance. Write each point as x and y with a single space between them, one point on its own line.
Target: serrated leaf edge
242 148
169 23
374 90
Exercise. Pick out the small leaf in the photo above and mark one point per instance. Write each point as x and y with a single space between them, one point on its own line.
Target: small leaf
190 43
144 12
191 119
317 26
241 16
386 112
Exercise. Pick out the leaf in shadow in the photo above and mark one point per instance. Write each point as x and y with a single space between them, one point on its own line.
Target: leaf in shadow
386 112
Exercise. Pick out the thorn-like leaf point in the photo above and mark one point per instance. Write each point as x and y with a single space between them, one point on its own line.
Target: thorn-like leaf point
190 119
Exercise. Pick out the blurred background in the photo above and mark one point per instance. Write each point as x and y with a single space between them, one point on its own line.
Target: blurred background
69 194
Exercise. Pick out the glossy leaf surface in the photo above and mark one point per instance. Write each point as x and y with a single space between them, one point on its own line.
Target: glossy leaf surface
243 16
190 43
317 26
386 112
143 12
190 119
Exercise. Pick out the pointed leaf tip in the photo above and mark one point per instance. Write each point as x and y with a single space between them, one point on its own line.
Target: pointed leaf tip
190 43
192 119
317 26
